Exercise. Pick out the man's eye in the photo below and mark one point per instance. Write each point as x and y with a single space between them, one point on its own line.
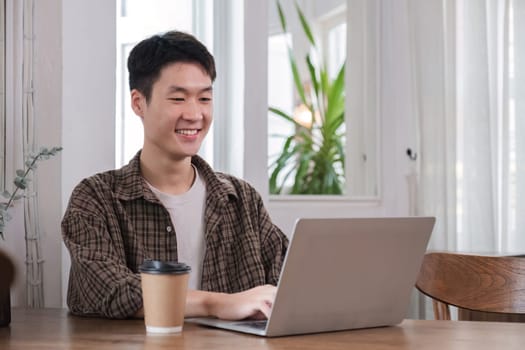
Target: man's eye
205 99
177 99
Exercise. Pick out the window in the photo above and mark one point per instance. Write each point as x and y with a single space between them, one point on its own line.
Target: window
308 152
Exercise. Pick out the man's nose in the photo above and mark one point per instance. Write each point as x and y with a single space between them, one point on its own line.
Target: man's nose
192 111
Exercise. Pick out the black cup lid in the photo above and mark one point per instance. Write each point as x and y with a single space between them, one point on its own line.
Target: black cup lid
157 266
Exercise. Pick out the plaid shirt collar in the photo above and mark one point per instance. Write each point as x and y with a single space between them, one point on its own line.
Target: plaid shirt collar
132 185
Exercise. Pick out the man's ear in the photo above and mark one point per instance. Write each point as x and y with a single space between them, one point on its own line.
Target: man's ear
138 102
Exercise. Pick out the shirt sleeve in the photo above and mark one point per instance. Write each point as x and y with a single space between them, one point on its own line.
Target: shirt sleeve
100 283
273 247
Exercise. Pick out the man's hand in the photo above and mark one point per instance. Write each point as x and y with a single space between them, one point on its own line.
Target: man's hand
254 303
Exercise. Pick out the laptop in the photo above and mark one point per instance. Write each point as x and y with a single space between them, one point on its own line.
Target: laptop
341 274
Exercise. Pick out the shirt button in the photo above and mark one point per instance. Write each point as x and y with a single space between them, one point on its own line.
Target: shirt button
168 228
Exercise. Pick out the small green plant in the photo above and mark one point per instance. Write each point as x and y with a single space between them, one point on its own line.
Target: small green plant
314 153
21 180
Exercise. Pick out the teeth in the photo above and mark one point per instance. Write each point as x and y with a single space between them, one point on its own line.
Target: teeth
188 132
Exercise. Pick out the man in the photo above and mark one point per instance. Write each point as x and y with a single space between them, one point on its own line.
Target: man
168 204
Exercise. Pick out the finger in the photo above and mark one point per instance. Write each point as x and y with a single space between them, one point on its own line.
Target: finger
265 308
259 316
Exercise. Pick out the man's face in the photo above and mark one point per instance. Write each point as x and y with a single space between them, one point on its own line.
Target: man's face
179 113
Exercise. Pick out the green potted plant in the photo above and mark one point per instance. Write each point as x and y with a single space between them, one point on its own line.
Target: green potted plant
21 181
314 153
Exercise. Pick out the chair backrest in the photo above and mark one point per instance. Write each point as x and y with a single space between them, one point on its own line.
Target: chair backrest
488 284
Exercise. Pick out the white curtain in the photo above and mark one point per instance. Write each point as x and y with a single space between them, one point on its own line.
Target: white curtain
468 82
468 59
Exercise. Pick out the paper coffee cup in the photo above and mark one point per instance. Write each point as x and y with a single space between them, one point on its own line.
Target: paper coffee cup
164 289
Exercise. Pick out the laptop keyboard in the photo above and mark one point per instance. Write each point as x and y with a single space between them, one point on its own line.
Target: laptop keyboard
256 324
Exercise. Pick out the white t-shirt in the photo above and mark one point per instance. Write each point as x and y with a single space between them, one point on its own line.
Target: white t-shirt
187 214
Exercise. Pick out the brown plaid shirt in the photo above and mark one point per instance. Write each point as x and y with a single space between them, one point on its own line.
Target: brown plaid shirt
114 222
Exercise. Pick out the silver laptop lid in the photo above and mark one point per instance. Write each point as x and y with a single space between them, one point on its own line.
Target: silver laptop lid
348 273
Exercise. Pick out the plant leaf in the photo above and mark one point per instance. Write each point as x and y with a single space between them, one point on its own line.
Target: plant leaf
336 95
5 216
280 164
296 76
305 25
313 76
282 18
283 115
20 182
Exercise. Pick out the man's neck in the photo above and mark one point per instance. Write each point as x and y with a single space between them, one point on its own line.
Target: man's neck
169 175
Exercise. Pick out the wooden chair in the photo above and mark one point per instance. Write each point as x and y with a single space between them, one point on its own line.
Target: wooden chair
484 288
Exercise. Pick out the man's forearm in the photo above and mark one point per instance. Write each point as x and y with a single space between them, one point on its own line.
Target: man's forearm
201 303
198 304
252 303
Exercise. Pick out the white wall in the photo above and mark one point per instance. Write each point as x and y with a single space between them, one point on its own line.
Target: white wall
48 97
88 103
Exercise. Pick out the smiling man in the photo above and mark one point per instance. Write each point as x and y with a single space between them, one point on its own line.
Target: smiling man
169 204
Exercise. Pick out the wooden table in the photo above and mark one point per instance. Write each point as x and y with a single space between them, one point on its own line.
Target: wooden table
55 329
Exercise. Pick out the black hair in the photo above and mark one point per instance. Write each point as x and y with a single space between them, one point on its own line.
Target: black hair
151 55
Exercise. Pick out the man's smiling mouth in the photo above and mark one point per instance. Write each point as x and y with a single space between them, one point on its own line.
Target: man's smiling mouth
187 132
